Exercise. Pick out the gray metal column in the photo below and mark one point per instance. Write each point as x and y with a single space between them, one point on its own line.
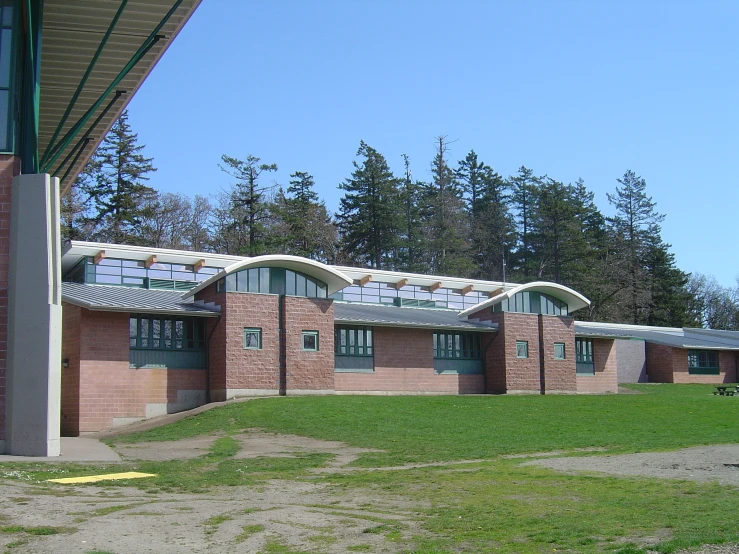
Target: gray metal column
33 381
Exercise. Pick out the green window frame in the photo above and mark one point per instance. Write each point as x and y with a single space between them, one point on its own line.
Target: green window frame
7 70
352 340
252 338
456 345
309 340
522 349
584 362
559 351
161 332
703 362
166 342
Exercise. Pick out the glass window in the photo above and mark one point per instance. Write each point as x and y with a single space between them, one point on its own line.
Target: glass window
310 341
584 351
461 346
155 332
252 338
584 356
703 362
522 349
353 341
559 351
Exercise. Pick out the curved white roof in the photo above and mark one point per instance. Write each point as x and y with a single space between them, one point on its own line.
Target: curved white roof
574 299
334 279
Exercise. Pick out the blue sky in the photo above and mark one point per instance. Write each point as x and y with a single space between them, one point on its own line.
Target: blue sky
568 88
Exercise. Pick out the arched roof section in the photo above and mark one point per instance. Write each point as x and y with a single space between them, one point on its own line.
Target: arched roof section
574 299
334 279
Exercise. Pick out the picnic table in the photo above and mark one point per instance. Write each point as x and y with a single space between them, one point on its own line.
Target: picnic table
726 390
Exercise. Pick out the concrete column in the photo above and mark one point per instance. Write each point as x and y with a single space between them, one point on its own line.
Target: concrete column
33 393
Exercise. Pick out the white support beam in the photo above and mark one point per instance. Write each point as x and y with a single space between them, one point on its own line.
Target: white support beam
33 382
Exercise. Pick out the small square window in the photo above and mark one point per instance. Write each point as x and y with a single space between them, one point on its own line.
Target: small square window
252 339
559 351
522 349
310 341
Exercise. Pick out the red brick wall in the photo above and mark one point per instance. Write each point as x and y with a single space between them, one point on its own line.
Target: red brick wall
252 369
670 365
522 374
106 387
660 363
404 362
559 375
606 369
70 399
9 166
215 334
309 370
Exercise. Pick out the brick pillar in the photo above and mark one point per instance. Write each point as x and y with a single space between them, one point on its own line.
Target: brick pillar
9 167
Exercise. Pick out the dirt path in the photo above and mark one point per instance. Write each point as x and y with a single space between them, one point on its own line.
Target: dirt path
302 514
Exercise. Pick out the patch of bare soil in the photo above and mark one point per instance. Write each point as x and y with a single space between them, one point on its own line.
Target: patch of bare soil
302 515
253 444
700 463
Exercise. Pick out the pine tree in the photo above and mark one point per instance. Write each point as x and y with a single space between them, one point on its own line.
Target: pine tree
445 221
636 225
116 189
490 224
249 209
556 231
308 229
369 215
410 251
524 187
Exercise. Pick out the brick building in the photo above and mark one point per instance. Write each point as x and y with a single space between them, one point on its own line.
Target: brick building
150 331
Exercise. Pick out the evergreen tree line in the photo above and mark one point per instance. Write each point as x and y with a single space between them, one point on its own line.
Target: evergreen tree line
466 220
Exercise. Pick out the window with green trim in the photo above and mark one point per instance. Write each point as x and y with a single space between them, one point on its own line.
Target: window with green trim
459 346
522 349
272 280
166 342
166 333
559 351
584 357
6 75
703 362
353 341
252 338
532 302
310 341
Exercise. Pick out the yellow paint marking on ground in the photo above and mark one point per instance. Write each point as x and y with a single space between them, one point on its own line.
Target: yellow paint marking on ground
106 477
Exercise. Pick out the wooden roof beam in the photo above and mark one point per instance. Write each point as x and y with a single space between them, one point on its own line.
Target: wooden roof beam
150 261
364 280
435 286
197 266
467 290
495 292
400 284
100 256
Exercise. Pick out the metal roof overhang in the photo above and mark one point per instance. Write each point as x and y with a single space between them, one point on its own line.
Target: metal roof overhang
95 54
75 250
335 280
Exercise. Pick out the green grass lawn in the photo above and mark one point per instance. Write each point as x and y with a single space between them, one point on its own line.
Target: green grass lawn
495 505
445 428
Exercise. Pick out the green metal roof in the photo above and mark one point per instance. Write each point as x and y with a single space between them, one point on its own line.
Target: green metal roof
94 56
109 298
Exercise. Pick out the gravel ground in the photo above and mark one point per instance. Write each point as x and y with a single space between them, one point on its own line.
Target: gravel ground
301 514
701 463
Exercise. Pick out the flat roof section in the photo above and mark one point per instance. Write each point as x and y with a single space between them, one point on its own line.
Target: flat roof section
699 339
393 316
110 298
